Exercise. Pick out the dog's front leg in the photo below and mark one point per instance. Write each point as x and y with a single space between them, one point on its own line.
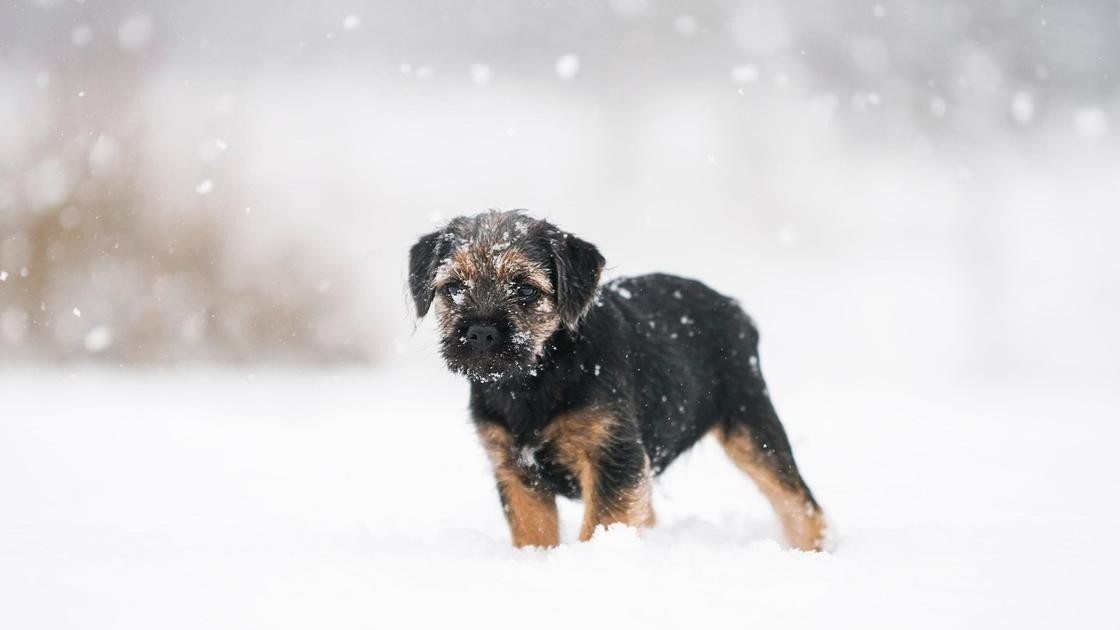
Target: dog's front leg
613 469
530 511
615 488
531 514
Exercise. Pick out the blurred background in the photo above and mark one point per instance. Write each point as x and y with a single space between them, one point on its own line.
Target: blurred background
896 190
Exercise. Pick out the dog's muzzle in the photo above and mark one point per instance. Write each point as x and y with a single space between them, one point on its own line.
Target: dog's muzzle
482 338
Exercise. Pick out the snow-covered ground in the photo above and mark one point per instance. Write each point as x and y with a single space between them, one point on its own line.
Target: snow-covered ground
360 499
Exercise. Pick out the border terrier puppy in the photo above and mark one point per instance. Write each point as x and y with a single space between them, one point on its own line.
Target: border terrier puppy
588 393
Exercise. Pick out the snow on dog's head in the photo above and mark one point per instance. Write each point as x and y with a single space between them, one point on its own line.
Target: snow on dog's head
503 284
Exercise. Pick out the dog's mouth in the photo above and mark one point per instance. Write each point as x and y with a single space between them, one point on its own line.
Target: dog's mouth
512 357
490 369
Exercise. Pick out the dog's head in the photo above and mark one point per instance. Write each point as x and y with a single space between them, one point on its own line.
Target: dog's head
502 284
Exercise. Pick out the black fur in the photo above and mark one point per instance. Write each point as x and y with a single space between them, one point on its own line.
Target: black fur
669 358
669 355
577 265
423 259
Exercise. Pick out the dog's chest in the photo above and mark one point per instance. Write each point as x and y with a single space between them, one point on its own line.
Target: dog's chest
527 414
538 464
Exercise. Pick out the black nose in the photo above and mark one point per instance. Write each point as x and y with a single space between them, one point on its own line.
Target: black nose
482 337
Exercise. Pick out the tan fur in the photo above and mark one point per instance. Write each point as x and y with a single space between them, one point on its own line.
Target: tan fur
579 439
805 526
530 512
488 260
503 265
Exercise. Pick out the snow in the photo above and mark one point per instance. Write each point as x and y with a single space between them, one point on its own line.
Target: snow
13 325
528 455
48 183
959 222
135 33
745 73
938 107
1091 123
629 9
787 235
236 499
1022 107
103 152
81 35
481 74
567 66
685 25
98 339
761 28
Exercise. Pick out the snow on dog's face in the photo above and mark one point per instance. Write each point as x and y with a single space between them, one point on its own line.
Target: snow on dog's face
503 284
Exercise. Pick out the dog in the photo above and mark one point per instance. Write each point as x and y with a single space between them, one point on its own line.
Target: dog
588 392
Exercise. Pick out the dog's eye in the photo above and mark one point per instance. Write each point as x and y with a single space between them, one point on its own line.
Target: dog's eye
525 292
452 289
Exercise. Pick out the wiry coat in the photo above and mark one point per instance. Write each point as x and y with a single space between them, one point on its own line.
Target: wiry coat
591 392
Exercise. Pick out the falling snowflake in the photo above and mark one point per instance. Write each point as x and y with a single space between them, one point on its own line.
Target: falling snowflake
685 25
567 66
746 73
481 74
98 339
135 33
81 35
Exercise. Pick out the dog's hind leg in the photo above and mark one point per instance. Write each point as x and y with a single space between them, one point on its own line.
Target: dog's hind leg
756 442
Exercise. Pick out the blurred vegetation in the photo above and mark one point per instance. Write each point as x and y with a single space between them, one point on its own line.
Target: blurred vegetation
130 219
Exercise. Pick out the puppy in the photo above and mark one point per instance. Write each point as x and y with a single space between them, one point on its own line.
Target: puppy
588 393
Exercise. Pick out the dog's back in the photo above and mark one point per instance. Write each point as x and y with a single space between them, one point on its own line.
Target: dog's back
693 353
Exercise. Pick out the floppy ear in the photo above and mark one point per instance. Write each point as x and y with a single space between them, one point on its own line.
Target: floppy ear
578 266
423 261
